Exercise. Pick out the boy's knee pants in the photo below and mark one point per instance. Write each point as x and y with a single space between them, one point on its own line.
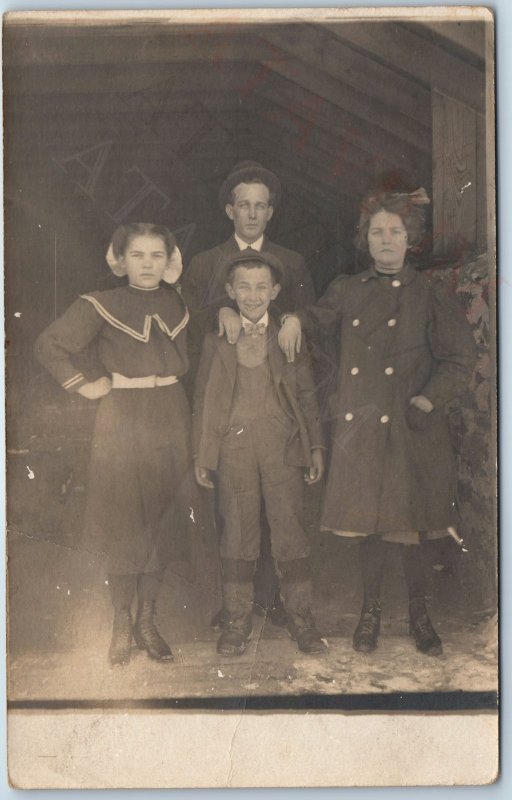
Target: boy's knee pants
252 465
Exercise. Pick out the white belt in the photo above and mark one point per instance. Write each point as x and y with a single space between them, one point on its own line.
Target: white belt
149 382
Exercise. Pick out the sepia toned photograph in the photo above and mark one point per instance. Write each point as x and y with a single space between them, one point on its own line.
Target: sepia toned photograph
250 293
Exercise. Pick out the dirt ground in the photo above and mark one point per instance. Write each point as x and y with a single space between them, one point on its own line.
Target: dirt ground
60 621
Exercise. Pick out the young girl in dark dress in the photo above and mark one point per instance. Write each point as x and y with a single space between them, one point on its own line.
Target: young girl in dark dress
141 456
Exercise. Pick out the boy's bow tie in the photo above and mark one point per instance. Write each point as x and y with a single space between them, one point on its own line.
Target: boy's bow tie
255 329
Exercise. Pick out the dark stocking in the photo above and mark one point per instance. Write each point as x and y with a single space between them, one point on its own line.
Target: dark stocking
122 589
414 569
372 556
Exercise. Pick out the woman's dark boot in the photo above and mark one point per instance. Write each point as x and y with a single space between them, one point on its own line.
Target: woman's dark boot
372 558
420 626
146 635
367 632
144 632
122 589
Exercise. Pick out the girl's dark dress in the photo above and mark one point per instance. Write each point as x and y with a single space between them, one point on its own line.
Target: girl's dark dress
139 475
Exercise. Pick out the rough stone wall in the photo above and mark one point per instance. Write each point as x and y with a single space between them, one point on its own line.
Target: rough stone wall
473 423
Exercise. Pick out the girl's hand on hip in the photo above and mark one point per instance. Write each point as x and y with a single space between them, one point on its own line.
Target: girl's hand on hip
95 389
202 477
315 472
290 337
229 324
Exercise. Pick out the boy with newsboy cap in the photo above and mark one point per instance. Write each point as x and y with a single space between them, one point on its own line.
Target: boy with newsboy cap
256 423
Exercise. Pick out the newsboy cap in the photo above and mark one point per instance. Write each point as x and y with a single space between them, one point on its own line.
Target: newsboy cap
250 256
249 171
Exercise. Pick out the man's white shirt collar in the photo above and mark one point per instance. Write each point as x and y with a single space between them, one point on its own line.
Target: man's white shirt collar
257 245
246 323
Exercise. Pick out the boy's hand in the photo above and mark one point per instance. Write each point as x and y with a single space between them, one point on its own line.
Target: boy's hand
290 337
95 389
315 472
229 324
202 477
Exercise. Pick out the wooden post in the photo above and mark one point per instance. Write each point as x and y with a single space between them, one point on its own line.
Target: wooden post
455 177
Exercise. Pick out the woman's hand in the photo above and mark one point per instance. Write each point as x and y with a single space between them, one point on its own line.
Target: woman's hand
417 412
229 324
95 389
202 477
422 402
290 337
315 472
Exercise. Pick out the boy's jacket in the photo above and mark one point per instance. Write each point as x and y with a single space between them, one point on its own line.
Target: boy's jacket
215 387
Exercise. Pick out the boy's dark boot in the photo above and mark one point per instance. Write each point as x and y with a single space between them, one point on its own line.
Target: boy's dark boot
420 626
372 556
368 628
238 591
296 592
122 589
145 632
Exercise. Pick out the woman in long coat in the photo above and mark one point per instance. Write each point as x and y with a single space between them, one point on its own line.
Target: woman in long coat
141 450
406 349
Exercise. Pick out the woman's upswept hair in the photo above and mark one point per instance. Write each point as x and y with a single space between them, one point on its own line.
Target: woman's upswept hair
408 206
125 233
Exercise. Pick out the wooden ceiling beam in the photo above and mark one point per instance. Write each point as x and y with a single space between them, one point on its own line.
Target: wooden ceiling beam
383 90
395 46
465 37
337 94
100 46
318 154
348 130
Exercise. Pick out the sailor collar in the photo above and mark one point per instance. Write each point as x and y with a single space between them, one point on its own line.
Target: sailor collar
132 310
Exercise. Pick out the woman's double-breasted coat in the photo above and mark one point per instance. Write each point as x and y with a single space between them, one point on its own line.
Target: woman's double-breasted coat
400 336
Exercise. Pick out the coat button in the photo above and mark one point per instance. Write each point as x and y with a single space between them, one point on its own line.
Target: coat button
355 323
384 418
389 370
354 370
391 323
396 283
349 417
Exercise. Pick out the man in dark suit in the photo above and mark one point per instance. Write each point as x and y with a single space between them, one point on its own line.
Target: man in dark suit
248 195
256 423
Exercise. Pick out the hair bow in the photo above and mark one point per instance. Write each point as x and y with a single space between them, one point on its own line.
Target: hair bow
172 272
418 198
